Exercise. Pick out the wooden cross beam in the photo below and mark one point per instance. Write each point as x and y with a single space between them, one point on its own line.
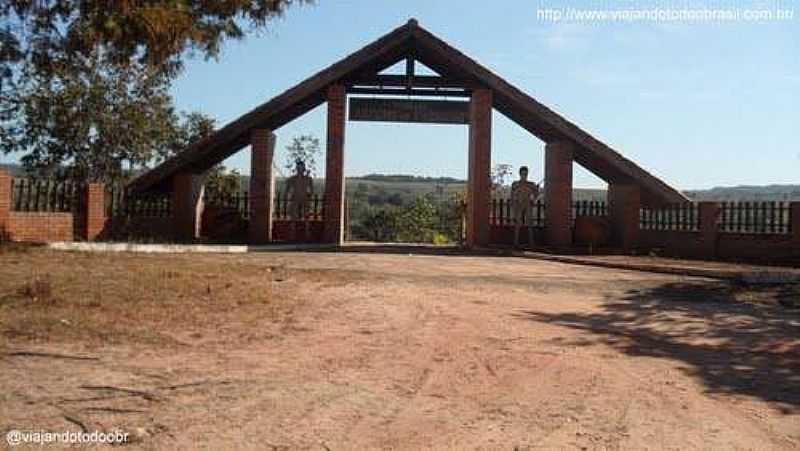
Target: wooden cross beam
418 81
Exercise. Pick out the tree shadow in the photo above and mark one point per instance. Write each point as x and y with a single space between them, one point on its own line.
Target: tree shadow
735 339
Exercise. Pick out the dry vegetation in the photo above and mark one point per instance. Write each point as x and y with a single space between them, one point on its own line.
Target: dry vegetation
101 299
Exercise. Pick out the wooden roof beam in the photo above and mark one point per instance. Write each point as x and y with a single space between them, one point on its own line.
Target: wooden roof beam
421 81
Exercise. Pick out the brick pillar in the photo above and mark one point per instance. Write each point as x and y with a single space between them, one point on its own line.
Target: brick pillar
624 203
334 166
479 168
94 215
262 186
187 206
558 192
709 216
794 218
5 202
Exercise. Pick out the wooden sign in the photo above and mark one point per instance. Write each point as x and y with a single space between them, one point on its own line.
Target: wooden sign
406 110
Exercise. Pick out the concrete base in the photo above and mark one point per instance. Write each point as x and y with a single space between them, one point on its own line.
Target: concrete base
182 248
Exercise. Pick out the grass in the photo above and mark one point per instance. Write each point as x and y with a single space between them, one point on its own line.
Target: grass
149 299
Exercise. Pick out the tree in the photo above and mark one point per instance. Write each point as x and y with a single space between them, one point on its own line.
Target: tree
380 223
89 117
154 32
303 148
222 183
417 221
195 127
84 84
500 174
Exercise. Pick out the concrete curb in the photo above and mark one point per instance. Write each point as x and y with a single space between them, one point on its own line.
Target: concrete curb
182 248
762 277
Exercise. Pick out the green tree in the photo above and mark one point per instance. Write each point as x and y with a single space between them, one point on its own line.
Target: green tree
220 181
84 84
195 126
85 115
155 32
380 223
303 148
501 175
417 221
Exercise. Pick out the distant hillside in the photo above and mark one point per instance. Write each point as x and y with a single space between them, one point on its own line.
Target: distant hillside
748 193
15 169
406 186
407 178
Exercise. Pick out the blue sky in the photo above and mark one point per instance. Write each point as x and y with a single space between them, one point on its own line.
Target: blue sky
699 104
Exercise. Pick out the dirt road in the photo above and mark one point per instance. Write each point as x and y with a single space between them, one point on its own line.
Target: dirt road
410 352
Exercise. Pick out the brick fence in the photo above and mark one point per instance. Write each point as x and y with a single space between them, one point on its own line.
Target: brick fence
91 220
699 230
47 226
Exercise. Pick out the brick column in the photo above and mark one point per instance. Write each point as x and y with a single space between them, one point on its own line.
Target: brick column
558 192
795 220
262 186
187 205
479 168
624 203
5 202
334 166
93 218
709 216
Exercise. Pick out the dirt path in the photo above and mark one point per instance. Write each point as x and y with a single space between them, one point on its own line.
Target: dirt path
409 352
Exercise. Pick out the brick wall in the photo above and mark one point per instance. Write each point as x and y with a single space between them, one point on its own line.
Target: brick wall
764 248
138 228
757 248
504 235
5 203
39 227
293 231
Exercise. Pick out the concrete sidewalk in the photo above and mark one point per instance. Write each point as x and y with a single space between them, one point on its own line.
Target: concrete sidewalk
751 274
184 248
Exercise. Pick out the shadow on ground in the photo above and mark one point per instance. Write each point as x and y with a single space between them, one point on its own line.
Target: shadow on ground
735 340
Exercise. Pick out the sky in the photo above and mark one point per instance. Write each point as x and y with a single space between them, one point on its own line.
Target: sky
699 103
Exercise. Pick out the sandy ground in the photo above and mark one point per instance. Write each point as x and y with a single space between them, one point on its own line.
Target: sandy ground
444 352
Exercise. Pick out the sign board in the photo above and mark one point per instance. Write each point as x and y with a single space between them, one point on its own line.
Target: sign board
406 110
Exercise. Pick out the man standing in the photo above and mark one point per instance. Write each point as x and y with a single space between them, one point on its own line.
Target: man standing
523 195
299 190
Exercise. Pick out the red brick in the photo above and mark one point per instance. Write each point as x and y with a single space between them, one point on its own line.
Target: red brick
624 203
262 186
40 227
709 226
93 220
558 192
334 166
5 202
479 188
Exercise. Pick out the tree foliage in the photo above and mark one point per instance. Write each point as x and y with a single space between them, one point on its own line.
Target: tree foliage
84 84
501 175
417 221
94 118
380 223
154 32
303 148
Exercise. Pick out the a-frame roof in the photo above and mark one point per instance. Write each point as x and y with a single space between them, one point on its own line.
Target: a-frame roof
393 47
